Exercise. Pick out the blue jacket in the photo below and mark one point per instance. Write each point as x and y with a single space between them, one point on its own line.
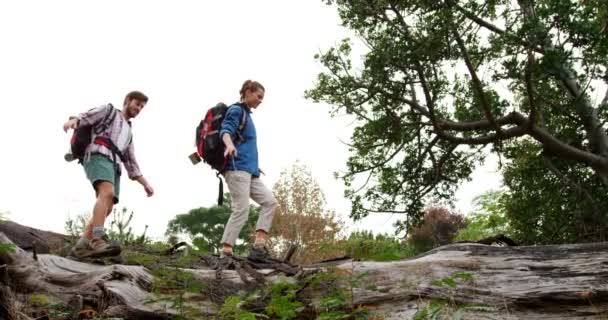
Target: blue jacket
247 150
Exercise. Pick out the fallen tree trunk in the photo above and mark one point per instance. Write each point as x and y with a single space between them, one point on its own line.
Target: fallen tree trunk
27 238
479 281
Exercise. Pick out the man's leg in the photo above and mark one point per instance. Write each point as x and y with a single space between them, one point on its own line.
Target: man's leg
102 174
102 209
239 185
88 230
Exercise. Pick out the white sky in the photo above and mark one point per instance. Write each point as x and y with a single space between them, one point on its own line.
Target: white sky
59 58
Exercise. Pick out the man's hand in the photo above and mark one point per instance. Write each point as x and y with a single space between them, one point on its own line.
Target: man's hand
146 185
70 124
149 190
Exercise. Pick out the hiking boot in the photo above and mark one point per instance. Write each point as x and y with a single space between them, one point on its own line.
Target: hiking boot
259 254
97 248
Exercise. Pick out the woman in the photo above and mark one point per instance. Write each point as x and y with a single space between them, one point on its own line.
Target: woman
242 172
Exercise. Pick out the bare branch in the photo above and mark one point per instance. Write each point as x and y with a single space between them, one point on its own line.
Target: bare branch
371 172
384 211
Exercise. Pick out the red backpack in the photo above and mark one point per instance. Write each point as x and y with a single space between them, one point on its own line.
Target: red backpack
82 136
209 144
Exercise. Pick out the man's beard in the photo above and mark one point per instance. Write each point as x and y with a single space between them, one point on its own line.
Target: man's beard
131 113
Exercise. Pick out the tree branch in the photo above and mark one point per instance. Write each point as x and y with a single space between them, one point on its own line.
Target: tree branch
377 165
371 172
494 28
556 146
530 88
596 134
477 85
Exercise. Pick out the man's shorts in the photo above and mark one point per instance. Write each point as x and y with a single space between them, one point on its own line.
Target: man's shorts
99 168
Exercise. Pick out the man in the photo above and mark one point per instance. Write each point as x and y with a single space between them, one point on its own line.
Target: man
111 145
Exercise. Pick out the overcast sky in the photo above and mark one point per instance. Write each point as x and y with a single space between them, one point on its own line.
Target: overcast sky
59 58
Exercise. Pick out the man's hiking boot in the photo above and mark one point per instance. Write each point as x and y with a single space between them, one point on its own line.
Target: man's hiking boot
259 254
96 248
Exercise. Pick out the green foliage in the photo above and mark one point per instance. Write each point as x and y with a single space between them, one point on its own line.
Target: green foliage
173 284
488 219
5 247
283 304
438 227
451 281
47 307
364 245
338 300
439 80
139 258
120 230
74 227
205 226
38 300
545 208
282 300
234 308
439 309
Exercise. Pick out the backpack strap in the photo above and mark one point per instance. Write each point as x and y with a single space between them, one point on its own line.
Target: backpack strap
106 141
242 123
108 119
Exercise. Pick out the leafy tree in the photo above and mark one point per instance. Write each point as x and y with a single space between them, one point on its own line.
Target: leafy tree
439 227
550 201
440 80
205 226
303 219
489 218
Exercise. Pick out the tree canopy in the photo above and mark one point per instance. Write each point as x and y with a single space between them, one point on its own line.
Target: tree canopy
441 80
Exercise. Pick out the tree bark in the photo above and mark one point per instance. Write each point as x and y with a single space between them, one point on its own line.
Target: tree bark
27 238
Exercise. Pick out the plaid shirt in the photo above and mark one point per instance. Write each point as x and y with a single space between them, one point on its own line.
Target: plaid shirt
113 131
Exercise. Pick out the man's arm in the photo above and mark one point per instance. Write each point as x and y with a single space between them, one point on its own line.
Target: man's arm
90 117
133 169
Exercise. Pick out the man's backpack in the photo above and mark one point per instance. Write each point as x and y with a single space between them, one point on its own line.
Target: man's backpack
83 136
209 144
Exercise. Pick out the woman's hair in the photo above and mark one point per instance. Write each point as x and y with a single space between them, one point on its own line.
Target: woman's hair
250 85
